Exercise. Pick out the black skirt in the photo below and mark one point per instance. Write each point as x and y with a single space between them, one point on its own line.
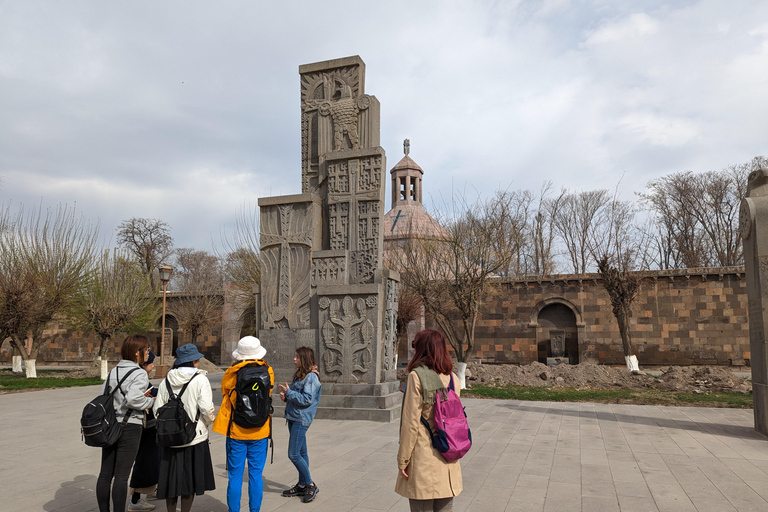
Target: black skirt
186 471
146 469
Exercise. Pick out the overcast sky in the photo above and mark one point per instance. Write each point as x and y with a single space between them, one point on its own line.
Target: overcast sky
188 111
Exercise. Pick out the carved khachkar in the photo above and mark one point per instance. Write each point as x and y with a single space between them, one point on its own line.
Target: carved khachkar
355 195
322 250
347 336
286 258
557 342
753 220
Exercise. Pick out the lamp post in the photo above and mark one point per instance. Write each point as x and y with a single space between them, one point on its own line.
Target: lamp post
165 276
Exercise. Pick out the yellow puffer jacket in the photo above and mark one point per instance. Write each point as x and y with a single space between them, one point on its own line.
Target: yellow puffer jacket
221 423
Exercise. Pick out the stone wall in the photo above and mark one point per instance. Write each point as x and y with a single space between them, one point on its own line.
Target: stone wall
692 316
71 347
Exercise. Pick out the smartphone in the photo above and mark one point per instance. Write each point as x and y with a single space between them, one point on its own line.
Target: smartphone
402 387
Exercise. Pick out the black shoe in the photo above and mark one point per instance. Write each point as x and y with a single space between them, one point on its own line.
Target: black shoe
310 493
296 490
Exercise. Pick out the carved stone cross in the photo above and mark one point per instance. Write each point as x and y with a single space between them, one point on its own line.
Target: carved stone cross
284 240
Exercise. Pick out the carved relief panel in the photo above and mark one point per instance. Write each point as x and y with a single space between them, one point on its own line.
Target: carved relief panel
336 114
348 329
329 268
389 339
557 342
286 259
354 210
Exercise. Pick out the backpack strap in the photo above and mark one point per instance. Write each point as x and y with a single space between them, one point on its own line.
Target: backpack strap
119 386
181 392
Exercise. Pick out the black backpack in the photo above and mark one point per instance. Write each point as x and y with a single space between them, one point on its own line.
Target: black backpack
253 403
98 424
174 426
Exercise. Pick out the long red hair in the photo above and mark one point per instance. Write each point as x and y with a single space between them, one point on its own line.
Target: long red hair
431 351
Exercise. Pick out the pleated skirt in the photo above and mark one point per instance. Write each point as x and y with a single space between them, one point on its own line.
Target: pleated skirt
146 469
186 471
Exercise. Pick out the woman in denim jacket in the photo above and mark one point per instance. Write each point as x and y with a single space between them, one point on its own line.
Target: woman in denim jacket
301 399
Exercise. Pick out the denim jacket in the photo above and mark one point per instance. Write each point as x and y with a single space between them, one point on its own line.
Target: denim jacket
301 399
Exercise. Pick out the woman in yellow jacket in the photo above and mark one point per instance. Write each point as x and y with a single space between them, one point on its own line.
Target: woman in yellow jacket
424 476
243 443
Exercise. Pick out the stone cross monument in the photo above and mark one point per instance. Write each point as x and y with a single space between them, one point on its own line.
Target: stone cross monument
753 220
323 284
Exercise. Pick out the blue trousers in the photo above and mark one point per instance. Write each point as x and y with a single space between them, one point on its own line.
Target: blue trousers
297 451
237 452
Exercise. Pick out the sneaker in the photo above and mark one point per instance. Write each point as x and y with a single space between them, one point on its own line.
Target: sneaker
140 505
310 493
152 497
296 490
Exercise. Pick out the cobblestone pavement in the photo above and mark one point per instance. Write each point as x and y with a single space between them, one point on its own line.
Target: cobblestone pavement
527 456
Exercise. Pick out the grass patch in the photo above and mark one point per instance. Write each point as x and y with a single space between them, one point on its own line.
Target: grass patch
612 396
45 380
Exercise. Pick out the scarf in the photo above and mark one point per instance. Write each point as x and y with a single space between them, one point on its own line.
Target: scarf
430 384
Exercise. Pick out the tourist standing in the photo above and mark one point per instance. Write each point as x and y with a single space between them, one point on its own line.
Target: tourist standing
129 399
424 477
244 443
187 470
146 468
301 399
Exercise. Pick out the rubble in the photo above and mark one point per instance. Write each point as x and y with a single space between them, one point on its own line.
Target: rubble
691 379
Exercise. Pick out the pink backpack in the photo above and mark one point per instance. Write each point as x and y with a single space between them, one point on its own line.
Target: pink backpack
452 437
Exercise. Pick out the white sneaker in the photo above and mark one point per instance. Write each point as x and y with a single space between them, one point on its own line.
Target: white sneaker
141 505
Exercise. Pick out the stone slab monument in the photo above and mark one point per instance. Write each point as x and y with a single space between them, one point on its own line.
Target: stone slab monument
753 220
323 284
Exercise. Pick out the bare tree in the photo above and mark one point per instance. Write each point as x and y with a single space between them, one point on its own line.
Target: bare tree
241 261
513 210
697 217
199 281
620 253
117 297
149 240
409 308
450 274
45 257
576 220
542 232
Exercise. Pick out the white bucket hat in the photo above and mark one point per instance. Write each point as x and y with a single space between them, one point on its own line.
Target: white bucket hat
249 347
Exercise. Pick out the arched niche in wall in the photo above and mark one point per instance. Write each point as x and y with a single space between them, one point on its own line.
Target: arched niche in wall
559 329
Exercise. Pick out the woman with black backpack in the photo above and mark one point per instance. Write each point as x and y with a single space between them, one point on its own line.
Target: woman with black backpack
129 382
186 470
248 427
424 476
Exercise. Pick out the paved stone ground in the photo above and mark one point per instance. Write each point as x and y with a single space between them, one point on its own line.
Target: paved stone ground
527 456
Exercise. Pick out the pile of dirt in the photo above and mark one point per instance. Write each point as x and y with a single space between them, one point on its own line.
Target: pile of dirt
691 379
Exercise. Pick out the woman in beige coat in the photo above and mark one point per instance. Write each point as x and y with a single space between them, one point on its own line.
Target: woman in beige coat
425 478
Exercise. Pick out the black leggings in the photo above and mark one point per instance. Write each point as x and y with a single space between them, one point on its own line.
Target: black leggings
116 462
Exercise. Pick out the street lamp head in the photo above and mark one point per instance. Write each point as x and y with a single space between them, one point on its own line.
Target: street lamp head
165 273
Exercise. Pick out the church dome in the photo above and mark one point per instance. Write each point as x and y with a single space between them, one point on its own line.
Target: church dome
407 218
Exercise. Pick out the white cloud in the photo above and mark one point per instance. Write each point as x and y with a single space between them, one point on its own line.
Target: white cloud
635 26
659 130
185 110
